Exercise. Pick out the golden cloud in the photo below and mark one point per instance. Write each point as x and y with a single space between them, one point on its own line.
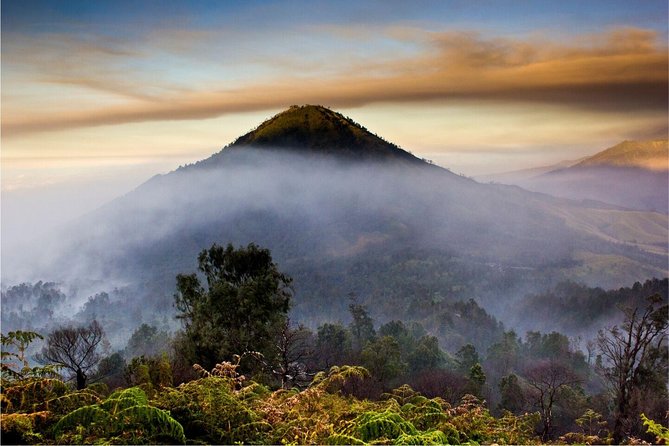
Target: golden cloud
623 69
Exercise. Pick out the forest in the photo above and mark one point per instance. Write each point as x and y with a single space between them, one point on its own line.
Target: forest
242 370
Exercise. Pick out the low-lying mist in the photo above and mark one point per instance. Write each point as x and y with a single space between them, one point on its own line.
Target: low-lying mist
628 187
409 239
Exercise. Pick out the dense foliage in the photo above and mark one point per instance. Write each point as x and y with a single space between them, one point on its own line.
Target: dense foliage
244 303
259 378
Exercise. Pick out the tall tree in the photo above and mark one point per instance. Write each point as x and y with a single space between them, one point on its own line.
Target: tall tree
548 378
362 325
382 357
75 349
466 357
148 341
333 345
241 309
476 380
512 395
632 353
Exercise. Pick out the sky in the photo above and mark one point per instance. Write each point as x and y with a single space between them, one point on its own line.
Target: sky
99 96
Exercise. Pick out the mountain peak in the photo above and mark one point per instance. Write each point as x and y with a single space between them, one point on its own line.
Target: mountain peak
652 155
317 130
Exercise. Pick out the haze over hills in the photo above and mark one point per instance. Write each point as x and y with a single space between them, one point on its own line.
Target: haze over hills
651 155
514 176
344 211
632 174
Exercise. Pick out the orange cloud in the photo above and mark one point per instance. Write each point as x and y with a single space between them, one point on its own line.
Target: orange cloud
624 69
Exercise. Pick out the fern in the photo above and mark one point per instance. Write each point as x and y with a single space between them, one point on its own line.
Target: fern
158 421
125 415
71 401
133 392
343 439
390 425
661 433
115 405
29 395
335 379
19 427
212 412
430 437
89 416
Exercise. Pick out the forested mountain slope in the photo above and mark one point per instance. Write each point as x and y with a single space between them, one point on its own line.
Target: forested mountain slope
344 211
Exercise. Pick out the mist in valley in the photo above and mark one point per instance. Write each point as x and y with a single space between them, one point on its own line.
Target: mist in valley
408 239
626 187
423 277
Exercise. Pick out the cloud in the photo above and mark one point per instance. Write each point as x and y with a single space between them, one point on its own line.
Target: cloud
624 69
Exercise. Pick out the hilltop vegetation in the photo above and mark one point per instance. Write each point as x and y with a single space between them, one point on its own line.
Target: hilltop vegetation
318 131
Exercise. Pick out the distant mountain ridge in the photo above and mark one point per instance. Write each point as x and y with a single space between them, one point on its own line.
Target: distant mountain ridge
652 155
511 177
631 174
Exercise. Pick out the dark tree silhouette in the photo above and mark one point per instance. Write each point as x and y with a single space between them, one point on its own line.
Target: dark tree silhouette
630 354
362 325
291 362
333 345
547 378
74 349
242 309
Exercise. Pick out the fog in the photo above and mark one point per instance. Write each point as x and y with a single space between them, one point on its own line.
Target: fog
407 238
627 187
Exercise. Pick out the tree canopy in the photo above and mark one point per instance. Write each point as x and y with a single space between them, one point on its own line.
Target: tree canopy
241 308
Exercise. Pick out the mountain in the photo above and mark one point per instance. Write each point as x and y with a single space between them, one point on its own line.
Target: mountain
516 176
344 211
631 175
318 131
650 155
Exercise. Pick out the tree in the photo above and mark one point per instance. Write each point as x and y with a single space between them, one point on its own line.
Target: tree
110 370
426 355
503 356
19 340
419 350
14 364
333 345
362 325
466 357
242 308
633 353
383 359
513 398
147 341
477 380
548 378
74 349
294 350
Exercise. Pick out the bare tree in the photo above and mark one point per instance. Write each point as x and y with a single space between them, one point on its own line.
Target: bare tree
629 353
74 349
294 349
547 378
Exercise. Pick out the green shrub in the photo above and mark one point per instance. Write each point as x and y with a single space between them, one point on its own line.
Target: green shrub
378 425
212 412
124 417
